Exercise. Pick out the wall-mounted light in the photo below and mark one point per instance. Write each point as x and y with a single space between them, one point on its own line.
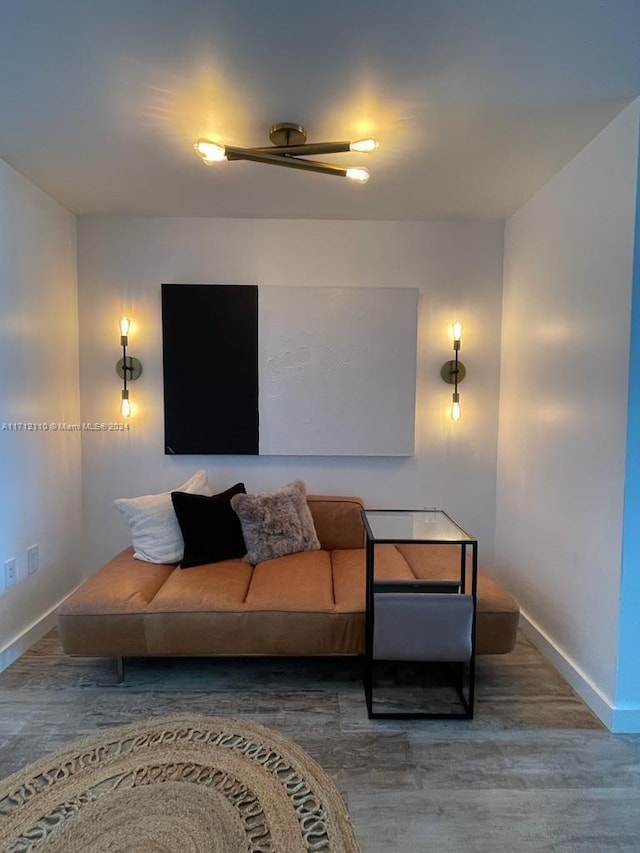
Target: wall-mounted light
127 368
454 371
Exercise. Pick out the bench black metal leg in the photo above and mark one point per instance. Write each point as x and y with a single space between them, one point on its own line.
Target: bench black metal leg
120 669
367 680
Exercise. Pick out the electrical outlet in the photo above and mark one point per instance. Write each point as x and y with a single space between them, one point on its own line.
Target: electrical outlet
33 559
10 572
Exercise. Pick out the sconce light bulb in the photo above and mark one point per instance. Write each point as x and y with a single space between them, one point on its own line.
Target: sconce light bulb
209 152
455 411
364 146
359 174
125 405
124 326
456 331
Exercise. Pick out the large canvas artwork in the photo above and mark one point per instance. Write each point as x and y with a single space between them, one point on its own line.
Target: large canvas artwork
289 370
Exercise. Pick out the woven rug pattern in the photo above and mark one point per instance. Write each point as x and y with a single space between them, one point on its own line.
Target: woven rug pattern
187 783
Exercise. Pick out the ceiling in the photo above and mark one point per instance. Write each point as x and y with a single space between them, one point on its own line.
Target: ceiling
476 103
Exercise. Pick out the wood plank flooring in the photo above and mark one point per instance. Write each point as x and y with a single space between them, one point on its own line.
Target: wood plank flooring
534 771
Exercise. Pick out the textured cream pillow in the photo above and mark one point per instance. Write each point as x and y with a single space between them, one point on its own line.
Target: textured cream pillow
155 532
276 523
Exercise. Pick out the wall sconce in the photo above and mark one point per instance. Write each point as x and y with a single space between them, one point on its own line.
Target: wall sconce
128 368
454 371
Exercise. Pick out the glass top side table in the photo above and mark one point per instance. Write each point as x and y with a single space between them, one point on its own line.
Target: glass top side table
436 603
412 525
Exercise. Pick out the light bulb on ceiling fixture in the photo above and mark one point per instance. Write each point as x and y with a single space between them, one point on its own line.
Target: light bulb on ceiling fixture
364 146
209 152
358 173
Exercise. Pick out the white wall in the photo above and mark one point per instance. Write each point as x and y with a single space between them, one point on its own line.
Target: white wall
458 268
563 406
40 487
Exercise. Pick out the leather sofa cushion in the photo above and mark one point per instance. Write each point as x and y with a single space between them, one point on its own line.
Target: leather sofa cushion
124 585
443 562
299 582
212 586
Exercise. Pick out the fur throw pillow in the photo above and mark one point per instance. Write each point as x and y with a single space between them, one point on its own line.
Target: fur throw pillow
276 523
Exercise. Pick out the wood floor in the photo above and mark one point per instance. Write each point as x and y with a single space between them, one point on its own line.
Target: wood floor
534 771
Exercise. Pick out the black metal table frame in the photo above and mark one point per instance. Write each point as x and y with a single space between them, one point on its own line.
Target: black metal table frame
372 586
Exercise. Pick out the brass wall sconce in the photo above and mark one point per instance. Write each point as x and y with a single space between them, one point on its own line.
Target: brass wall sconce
454 371
290 148
127 368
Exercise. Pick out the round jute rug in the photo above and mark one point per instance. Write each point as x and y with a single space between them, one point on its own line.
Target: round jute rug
179 784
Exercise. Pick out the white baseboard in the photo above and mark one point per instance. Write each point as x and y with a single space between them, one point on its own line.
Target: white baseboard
619 720
24 641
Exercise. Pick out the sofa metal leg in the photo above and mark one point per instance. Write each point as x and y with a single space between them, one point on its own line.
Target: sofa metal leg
120 669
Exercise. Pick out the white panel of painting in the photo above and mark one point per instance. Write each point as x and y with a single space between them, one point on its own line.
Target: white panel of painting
337 370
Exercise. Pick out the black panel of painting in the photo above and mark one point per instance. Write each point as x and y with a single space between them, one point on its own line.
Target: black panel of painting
210 362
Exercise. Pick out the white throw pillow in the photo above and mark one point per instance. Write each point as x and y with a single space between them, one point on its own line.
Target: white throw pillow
155 532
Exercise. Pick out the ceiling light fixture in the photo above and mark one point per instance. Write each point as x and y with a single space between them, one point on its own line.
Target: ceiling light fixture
289 144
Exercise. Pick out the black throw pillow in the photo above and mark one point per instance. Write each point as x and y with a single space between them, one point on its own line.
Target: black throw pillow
210 528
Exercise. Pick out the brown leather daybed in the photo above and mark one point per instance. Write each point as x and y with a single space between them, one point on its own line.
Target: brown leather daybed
307 603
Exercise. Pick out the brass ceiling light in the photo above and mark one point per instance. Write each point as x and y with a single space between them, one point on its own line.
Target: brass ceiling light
289 144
